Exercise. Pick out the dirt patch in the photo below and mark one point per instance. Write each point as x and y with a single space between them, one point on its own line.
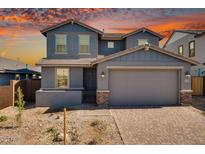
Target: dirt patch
34 128
44 126
199 103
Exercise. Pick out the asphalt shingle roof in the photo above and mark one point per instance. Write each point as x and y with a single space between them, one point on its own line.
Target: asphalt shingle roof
9 65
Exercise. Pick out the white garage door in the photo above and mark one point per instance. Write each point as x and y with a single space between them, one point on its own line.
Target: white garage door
143 87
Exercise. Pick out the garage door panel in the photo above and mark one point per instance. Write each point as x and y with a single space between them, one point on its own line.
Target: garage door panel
143 87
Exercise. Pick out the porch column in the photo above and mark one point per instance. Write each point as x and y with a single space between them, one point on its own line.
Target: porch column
185 97
102 96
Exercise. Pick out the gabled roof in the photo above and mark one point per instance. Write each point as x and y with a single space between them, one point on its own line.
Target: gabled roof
44 31
139 48
143 29
196 33
112 36
20 71
14 65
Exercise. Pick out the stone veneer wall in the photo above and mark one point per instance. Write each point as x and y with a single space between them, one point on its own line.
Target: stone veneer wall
102 97
185 97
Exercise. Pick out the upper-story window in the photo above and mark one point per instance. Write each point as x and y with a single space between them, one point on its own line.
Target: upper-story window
181 50
142 41
192 49
110 44
62 78
84 43
61 43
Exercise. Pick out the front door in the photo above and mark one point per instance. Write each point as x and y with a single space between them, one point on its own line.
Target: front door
90 85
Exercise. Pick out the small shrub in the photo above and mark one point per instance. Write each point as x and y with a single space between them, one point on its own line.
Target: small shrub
51 130
95 140
74 136
56 135
3 118
95 123
20 104
98 125
92 142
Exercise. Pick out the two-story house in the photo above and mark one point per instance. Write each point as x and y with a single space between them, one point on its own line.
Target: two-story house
84 65
191 44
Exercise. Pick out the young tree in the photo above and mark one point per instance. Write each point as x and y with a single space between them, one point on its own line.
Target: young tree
20 104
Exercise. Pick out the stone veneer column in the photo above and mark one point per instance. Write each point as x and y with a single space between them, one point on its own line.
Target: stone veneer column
185 97
102 96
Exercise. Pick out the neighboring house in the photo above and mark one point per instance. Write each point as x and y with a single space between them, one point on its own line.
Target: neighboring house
16 70
191 44
85 65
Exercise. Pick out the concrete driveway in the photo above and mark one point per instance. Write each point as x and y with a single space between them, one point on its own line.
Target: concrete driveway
166 125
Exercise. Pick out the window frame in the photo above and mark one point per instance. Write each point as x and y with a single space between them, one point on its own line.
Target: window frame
141 39
190 49
113 44
68 78
66 50
182 50
17 76
84 53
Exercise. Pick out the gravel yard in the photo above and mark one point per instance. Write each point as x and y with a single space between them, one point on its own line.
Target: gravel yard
92 125
44 126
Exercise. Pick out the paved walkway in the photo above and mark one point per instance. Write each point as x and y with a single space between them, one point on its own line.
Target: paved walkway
167 125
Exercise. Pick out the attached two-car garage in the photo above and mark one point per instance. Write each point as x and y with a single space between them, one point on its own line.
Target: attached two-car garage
143 76
143 87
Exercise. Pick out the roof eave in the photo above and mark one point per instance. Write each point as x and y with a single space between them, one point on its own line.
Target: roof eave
144 30
44 31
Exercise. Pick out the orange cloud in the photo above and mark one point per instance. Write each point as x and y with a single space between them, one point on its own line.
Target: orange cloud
15 18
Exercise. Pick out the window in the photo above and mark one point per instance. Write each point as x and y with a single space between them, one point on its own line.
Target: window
17 77
181 50
62 77
61 43
34 76
142 41
192 49
27 76
84 43
110 44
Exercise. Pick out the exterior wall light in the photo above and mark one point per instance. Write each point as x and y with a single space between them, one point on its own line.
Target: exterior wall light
102 74
187 75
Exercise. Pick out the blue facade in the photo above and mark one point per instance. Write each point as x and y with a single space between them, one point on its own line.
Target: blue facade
98 46
72 31
119 45
132 41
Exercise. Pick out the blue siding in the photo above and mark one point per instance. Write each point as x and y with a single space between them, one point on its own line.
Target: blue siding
104 50
132 40
72 31
146 56
6 77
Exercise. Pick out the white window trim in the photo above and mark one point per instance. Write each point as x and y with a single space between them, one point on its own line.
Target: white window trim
141 39
85 53
68 79
57 52
112 46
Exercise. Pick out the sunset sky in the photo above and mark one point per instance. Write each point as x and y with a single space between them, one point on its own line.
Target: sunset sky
20 36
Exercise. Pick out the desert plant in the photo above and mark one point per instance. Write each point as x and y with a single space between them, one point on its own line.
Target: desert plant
51 130
3 118
55 134
98 125
20 105
95 123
